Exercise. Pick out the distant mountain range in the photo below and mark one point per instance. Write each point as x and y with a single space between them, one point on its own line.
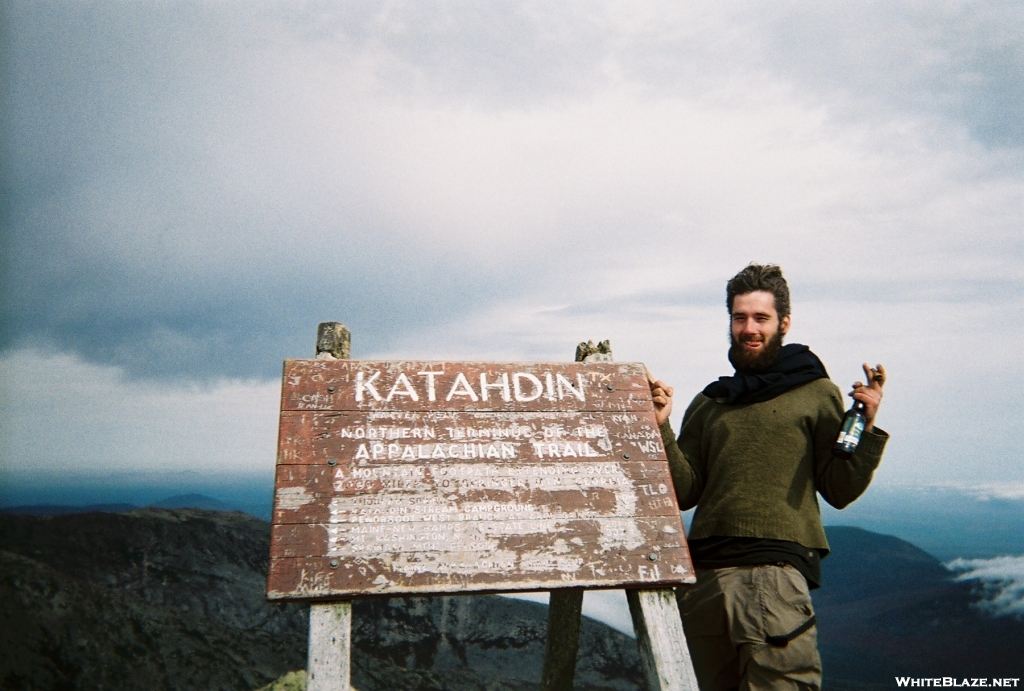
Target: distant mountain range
174 599
888 609
947 521
178 501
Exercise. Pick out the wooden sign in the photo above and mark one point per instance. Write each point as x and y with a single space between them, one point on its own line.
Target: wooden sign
398 478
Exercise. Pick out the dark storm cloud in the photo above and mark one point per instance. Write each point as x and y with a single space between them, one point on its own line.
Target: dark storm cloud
126 240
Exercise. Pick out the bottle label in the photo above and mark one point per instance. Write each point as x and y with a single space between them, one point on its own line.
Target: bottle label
851 432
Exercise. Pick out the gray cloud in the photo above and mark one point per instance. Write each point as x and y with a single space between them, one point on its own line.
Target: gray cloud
961 61
189 187
498 55
962 64
126 241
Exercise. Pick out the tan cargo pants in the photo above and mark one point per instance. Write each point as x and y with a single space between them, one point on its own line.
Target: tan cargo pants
728 614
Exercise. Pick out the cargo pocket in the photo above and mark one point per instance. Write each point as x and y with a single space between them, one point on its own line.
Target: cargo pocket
792 602
791 639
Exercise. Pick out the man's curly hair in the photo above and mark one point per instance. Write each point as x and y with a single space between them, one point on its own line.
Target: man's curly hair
760 277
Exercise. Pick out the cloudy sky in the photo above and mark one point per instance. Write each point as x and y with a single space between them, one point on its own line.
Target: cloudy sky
189 188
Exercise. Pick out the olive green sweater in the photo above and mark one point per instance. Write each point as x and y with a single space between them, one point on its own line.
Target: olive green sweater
754 470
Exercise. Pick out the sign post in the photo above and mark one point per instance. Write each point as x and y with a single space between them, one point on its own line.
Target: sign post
329 657
655 615
414 478
565 607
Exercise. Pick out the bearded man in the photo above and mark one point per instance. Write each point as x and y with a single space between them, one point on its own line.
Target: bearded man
754 451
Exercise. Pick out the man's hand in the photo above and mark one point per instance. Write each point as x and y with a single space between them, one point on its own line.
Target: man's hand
661 394
871 394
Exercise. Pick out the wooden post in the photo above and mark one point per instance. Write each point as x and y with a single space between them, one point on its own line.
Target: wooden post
329 664
659 633
565 607
655 613
330 646
333 341
565 613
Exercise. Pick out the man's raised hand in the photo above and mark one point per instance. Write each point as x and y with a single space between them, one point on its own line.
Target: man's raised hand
661 394
871 393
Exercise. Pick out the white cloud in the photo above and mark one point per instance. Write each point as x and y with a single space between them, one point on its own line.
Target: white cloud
1001 582
978 491
66 420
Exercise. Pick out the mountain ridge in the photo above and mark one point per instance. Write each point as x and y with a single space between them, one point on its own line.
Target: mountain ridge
890 607
174 599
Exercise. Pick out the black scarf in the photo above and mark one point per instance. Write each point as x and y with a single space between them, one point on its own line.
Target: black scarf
795 365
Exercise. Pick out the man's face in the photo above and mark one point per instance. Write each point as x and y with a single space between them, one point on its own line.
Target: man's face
756 330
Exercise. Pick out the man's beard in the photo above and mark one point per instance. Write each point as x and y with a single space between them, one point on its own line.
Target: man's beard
750 363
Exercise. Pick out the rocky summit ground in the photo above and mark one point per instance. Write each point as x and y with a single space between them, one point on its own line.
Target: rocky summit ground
174 599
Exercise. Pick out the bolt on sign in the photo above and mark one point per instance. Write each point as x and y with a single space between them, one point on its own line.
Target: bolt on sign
399 478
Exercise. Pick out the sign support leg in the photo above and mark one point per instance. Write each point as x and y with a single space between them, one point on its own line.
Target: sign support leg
565 609
655 614
329 663
659 633
565 612
330 639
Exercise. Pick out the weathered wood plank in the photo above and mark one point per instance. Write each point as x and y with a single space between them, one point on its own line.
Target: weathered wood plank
441 492
488 571
464 478
306 437
659 633
466 386
330 625
330 635
594 537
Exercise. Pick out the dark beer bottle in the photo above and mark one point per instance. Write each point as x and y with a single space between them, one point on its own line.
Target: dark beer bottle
850 431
